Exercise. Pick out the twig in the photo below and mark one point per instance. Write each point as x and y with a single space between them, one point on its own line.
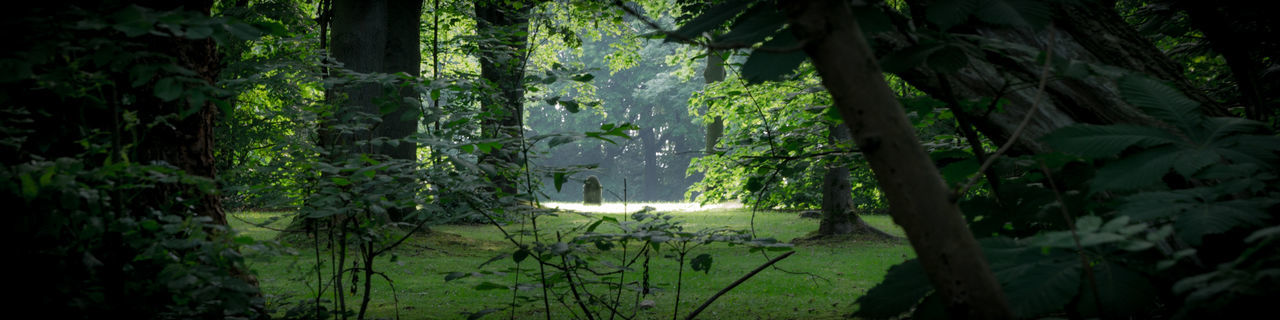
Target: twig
1035 106
736 283
710 45
1066 215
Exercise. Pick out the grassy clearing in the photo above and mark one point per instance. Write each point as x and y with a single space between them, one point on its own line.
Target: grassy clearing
847 269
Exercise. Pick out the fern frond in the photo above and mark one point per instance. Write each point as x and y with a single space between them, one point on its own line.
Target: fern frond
1093 141
1217 217
1189 162
1140 170
1160 101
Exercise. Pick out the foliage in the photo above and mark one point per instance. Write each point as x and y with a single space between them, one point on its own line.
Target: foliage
96 240
1189 216
592 265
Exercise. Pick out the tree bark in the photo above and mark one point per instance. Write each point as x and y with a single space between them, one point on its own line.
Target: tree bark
649 146
1092 34
918 199
839 216
712 74
503 42
379 36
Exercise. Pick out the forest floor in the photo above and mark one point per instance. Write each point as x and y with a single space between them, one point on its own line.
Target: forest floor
820 281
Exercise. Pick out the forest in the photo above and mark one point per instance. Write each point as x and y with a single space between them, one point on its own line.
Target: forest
641 159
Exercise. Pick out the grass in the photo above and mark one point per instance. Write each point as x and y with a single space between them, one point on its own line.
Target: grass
846 269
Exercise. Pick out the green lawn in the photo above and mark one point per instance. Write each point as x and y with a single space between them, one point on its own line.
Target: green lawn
847 269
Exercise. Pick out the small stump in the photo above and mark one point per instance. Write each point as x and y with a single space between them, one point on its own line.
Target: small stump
591 191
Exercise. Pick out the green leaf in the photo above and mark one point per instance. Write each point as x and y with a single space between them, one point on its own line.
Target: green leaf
520 255
948 59
1220 216
583 77
755 25
1161 101
242 239
29 188
560 179
134 21
710 19
1123 292
1140 170
1093 141
764 66
242 31
199 32
908 58
903 286
149 225
1190 162
570 105
754 184
702 263
948 13
168 89
1043 287
1017 13
340 181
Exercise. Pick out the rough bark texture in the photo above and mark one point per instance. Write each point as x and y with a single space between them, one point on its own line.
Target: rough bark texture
188 142
502 29
1087 33
379 37
918 199
839 215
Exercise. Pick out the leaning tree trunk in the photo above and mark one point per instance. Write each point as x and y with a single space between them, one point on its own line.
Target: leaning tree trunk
502 28
839 216
1085 33
918 199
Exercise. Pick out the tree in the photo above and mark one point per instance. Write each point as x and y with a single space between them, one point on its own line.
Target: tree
114 106
378 37
839 215
503 27
1090 41
918 199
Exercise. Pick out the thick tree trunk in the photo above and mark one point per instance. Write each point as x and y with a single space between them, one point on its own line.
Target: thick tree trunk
188 142
1093 34
379 37
839 216
918 199
502 29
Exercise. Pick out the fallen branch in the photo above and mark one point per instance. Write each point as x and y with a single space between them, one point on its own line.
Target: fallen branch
736 283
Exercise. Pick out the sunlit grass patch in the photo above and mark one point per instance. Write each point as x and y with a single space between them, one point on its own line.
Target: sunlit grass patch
820 281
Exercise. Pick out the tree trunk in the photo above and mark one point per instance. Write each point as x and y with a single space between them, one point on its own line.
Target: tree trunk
839 216
379 37
503 44
1093 34
649 147
712 74
918 199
